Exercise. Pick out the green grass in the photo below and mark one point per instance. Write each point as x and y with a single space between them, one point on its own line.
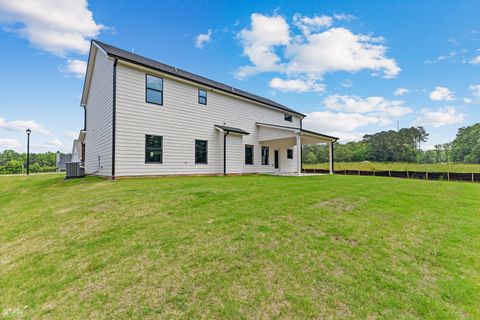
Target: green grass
251 247
399 166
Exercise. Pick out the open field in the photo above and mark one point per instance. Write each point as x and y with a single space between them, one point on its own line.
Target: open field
254 247
399 166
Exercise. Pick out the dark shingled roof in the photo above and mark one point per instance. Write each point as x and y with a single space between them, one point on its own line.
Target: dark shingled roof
137 59
231 129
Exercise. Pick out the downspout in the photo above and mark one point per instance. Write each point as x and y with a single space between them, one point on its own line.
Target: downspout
85 130
114 113
301 147
225 152
84 118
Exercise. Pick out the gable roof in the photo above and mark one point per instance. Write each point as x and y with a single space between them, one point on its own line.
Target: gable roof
146 62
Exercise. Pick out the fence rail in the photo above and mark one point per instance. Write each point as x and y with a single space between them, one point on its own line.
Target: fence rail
423 175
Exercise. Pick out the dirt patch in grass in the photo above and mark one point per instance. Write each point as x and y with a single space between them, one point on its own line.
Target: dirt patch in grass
338 205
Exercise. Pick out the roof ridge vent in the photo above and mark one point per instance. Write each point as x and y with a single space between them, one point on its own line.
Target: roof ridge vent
175 69
233 89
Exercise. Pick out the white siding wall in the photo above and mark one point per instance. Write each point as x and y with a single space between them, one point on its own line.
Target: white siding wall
180 121
98 140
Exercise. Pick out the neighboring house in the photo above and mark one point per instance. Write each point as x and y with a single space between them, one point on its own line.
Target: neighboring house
61 160
76 151
143 117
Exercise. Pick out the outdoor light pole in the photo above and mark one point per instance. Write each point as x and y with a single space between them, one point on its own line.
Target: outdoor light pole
28 151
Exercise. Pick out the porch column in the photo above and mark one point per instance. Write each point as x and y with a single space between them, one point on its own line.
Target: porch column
330 158
299 155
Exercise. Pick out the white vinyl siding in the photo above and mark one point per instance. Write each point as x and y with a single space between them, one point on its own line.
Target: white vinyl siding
98 140
180 121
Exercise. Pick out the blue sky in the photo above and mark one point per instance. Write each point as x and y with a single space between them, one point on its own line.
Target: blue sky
355 67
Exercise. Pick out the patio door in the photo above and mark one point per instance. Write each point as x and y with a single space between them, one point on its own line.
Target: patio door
276 159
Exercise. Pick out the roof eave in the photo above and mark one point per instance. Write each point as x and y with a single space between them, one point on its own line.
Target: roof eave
110 54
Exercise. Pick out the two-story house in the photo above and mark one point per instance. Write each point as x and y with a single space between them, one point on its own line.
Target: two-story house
143 117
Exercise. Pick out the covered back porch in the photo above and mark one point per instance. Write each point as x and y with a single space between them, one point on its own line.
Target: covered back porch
290 137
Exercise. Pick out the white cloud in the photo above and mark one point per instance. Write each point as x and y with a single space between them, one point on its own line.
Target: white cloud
55 143
55 26
77 67
400 92
272 46
341 124
338 49
452 54
71 135
344 17
259 42
202 39
467 100
8 143
22 125
296 85
441 94
347 83
475 89
440 117
475 60
307 24
377 105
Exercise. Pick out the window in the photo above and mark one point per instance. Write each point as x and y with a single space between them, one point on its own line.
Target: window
201 151
153 149
248 154
202 96
265 152
289 153
154 90
288 117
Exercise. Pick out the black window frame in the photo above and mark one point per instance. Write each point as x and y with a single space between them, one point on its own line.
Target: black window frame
199 96
249 146
147 149
289 153
153 89
288 117
206 152
267 162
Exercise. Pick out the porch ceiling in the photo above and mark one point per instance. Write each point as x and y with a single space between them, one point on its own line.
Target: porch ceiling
275 133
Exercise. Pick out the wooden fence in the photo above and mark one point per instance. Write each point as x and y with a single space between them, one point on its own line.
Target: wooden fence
423 175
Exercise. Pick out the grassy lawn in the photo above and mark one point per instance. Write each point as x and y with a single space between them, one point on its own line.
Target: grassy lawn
399 166
254 247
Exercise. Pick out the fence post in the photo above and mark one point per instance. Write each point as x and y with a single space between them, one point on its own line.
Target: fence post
345 173
374 173
448 176
389 174
408 175
358 172
473 180
426 177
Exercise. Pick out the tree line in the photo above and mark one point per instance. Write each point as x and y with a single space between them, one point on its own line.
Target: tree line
401 146
14 162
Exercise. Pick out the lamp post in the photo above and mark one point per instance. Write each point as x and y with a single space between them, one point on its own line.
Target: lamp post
28 150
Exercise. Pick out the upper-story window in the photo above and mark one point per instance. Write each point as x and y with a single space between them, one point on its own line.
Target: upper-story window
288 117
154 90
202 96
